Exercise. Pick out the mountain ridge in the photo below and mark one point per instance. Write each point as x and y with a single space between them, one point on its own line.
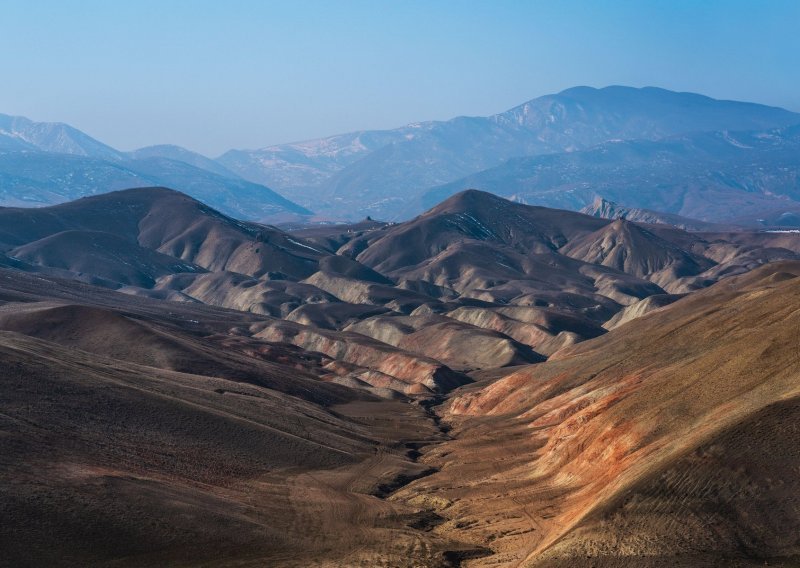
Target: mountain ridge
42 178
388 172
735 177
393 174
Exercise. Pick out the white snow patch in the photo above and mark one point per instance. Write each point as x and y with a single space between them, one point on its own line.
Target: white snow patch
304 246
733 142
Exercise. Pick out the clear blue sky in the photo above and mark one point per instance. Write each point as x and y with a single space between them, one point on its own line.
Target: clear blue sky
214 75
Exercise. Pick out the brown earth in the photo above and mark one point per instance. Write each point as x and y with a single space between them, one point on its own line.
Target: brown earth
672 440
183 389
136 436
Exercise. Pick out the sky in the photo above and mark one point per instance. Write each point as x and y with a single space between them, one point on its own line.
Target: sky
216 75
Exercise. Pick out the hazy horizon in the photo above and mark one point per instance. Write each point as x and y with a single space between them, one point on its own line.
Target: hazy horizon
248 75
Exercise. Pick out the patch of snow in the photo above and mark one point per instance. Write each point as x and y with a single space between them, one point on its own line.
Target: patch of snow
733 142
304 246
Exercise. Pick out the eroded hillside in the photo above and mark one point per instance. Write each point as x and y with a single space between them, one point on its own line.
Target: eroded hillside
489 384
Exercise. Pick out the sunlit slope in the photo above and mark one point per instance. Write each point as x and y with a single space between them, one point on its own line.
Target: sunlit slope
672 440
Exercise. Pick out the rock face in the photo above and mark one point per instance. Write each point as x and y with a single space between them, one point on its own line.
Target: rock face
544 329
648 445
354 291
606 209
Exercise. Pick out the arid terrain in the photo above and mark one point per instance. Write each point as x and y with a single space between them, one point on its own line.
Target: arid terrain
487 384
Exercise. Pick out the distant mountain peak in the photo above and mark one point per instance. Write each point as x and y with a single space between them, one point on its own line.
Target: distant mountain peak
180 154
654 111
55 137
607 209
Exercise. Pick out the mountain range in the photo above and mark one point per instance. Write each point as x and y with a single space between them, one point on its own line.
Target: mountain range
378 173
488 384
735 177
735 162
47 163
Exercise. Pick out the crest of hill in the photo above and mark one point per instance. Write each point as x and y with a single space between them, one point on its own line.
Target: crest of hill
164 221
565 272
632 249
493 249
478 216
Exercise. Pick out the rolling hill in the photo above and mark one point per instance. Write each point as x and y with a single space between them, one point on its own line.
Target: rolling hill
476 282
488 384
672 440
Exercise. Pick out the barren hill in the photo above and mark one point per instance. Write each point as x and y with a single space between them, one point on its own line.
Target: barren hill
670 440
181 388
